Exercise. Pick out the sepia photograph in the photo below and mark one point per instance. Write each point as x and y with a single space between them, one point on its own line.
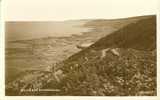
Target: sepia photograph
80 48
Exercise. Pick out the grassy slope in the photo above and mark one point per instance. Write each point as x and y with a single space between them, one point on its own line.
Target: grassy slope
139 35
132 73
20 56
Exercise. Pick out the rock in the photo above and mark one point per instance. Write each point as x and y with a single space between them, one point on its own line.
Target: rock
104 52
114 51
58 75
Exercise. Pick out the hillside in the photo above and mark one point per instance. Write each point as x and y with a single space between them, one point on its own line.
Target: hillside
30 52
133 72
140 35
98 70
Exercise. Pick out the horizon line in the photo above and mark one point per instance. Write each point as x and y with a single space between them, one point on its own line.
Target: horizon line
83 19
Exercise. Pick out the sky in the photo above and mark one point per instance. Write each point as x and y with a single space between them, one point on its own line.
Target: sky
59 10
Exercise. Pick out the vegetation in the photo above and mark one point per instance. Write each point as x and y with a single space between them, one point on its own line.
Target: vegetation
132 73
